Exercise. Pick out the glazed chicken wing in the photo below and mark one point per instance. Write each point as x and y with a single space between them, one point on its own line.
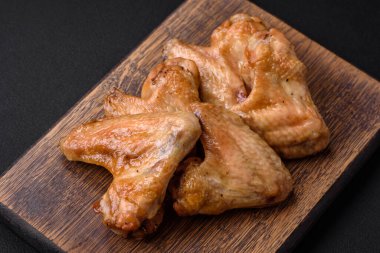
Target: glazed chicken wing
239 170
170 86
278 105
141 152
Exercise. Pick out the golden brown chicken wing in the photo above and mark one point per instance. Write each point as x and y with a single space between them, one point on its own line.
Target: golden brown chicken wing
239 170
220 84
141 152
170 86
278 105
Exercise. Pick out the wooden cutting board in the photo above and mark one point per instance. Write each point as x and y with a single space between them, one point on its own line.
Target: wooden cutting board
48 200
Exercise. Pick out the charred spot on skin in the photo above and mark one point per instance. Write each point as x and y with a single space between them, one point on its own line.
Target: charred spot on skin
149 226
96 206
153 81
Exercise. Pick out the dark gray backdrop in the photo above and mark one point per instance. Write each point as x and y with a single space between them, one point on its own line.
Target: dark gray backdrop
52 52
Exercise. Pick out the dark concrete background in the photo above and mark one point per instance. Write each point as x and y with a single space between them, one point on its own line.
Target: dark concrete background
52 52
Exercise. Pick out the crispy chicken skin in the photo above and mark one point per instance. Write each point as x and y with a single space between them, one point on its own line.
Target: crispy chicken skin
245 96
246 171
240 169
220 84
275 102
170 86
141 152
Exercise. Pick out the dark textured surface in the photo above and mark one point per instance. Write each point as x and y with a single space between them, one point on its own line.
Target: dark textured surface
51 54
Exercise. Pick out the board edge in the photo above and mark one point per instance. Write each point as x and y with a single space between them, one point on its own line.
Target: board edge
332 193
26 231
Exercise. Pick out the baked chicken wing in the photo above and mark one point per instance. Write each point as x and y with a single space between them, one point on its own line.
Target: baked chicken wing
141 152
278 105
170 86
239 170
220 84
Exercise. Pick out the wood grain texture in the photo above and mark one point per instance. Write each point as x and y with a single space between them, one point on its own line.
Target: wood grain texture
55 196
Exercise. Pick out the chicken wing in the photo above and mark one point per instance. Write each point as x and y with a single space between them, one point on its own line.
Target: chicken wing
170 86
141 152
240 170
278 105
220 84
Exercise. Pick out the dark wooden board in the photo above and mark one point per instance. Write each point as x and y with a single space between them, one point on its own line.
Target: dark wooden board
48 199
